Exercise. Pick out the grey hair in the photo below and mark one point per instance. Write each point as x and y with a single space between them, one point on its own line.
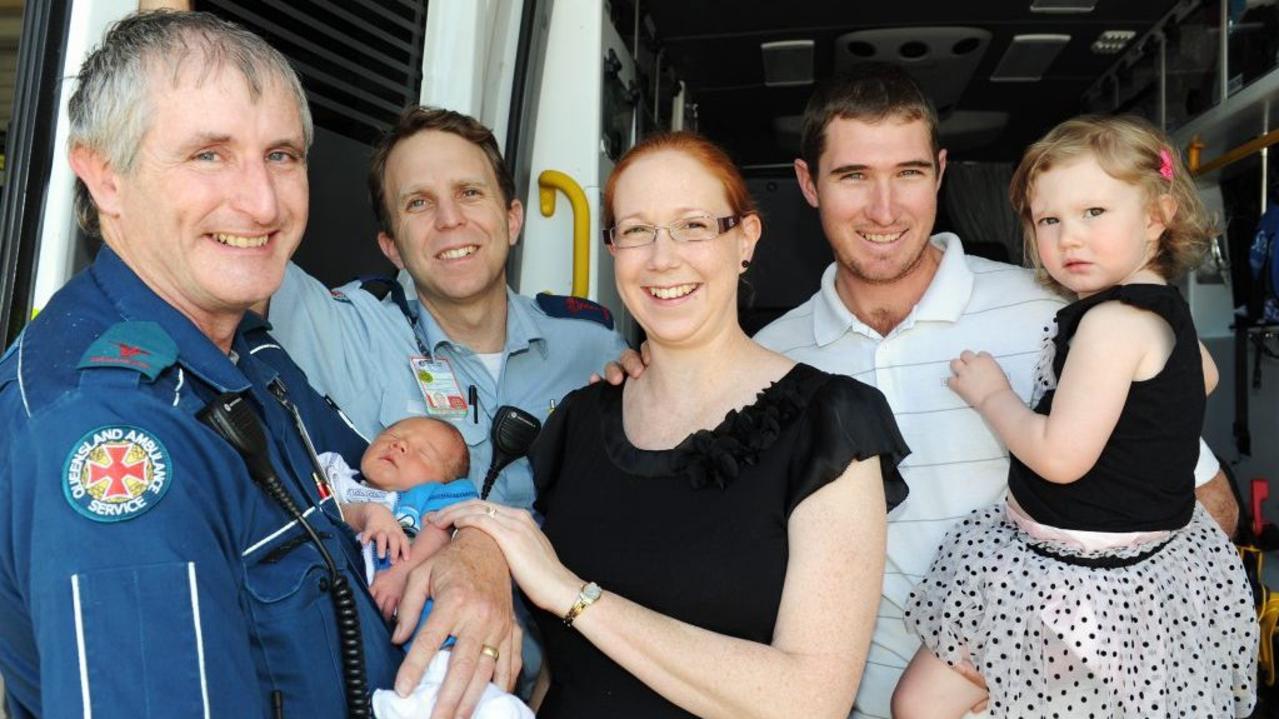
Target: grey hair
110 109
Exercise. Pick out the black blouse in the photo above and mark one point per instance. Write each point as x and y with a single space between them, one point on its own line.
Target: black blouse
698 532
1144 479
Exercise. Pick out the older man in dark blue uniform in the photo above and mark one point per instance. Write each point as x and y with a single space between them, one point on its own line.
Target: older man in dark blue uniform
143 572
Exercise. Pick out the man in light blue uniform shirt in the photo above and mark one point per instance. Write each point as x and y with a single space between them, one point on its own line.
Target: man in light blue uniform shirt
445 203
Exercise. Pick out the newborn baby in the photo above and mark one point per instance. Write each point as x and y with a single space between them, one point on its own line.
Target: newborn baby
411 469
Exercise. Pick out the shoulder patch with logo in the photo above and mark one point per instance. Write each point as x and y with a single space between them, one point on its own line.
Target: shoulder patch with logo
116 473
141 346
574 308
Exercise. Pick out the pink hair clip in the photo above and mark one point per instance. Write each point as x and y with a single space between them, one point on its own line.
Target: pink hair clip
1165 163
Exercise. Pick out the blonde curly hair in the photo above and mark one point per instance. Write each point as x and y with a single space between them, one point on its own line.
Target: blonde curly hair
1130 150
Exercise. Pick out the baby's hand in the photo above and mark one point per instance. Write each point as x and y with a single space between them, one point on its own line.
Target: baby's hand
388 588
380 527
976 377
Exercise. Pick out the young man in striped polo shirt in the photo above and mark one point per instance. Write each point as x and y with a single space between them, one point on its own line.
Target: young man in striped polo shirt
894 308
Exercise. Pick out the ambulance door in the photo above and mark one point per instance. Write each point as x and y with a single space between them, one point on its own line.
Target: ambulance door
40 247
584 121
486 58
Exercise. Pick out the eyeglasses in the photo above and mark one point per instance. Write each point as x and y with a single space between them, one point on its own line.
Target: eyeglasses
626 235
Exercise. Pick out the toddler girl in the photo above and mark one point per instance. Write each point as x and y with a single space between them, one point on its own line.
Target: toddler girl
1099 588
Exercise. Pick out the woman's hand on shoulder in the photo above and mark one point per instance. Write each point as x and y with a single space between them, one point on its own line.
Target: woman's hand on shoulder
533 561
630 364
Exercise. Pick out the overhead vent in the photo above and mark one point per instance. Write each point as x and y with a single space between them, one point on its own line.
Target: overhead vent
1111 42
1028 57
360 60
941 59
1063 6
787 62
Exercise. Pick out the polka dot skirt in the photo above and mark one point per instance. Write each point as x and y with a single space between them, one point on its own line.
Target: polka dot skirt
1174 635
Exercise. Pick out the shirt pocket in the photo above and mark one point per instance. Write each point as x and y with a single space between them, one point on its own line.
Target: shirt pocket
473 432
291 610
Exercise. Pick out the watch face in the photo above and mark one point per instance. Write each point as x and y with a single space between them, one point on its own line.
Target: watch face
592 591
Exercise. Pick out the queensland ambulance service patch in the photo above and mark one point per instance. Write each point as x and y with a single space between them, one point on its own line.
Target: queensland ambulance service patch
116 473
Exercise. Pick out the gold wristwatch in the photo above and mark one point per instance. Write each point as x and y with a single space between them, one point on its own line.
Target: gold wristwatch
586 597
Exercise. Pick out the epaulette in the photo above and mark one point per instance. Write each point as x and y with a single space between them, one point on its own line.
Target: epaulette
140 346
574 308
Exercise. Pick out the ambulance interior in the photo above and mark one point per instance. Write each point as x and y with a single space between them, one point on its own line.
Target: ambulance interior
585 78
568 85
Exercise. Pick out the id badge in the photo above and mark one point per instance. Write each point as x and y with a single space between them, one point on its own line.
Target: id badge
439 386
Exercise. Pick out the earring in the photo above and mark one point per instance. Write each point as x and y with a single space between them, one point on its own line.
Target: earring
745 264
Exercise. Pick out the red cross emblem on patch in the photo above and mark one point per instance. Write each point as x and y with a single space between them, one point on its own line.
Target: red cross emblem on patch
119 472
116 473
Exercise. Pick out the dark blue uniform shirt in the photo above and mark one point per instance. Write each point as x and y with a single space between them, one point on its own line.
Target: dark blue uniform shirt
142 572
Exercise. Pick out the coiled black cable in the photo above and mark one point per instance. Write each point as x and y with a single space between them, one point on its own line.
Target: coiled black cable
230 416
350 635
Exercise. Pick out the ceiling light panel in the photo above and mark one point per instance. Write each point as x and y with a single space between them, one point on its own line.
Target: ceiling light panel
1063 6
1028 57
787 62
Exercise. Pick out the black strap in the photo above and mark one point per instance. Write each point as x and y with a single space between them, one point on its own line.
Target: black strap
1104 562
380 286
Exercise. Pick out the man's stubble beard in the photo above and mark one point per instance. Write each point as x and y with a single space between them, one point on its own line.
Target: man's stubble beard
859 273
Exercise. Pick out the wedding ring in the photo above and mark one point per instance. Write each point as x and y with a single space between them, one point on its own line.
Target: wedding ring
489 650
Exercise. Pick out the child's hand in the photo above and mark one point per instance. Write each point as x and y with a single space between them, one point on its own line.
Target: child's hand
388 588
380 527
977 377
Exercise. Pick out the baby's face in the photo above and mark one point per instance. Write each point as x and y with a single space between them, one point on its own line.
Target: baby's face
408 453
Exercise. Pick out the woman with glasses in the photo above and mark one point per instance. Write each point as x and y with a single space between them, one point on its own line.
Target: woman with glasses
713 542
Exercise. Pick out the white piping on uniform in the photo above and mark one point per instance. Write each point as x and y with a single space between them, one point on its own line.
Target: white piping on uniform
347 421
199 637
177 391
22 388
276 533
341 414
79 643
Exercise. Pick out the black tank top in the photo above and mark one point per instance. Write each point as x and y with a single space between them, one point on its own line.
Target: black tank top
1144 478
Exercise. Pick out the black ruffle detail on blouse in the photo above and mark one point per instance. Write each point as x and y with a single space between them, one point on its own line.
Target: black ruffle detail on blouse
717 456
824 421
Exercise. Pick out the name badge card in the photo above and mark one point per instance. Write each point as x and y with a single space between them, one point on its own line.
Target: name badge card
439 386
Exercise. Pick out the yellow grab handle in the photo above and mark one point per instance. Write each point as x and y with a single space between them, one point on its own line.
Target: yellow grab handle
547 183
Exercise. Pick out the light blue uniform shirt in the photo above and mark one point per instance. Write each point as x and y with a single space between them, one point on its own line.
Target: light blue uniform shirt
356 348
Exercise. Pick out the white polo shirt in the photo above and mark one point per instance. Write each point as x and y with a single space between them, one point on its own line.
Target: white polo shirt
956 463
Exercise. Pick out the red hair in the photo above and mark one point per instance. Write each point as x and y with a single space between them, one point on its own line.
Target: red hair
705 152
